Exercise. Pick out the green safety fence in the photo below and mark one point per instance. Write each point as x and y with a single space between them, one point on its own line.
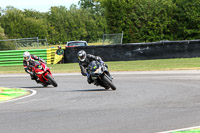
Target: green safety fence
15 57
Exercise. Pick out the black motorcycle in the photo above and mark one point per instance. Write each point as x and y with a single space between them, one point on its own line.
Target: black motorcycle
100 75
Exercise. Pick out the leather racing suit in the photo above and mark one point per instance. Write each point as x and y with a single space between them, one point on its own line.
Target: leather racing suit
29 63
84 64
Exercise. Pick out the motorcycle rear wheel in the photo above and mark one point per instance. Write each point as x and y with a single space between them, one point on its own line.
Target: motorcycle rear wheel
110 83
53 82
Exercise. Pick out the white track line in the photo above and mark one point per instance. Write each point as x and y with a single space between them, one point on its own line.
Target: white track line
183 129
32 94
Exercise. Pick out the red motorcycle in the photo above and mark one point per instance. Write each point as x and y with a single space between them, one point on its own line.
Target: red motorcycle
43 73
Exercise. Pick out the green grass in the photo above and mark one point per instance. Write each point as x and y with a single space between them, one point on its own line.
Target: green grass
142 65
151 65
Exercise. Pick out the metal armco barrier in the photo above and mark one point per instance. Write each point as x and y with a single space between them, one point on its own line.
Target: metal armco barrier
138 51
15 57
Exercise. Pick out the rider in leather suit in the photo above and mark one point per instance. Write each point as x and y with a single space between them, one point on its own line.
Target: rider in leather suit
29 60
84 61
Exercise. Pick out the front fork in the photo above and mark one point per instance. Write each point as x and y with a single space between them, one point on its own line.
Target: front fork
107 74
44 76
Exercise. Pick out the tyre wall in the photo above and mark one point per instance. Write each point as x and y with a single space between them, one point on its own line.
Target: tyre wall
138 51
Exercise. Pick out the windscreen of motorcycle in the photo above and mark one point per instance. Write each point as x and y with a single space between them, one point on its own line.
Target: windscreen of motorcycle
38 65
93 66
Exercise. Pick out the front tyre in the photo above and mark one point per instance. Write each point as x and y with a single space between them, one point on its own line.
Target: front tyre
53 82
110 83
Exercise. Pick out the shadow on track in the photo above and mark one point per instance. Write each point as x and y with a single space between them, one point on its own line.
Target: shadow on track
31 87
88 90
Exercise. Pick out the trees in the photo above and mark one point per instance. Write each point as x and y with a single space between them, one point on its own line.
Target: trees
59 25
187 16
2 35
153 20
17 25
93 6
140 21
75 24
57 18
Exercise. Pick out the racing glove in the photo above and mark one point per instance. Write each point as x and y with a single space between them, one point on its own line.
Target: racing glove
43 61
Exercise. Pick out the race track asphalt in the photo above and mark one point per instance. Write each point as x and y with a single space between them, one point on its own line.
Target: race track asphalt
144 102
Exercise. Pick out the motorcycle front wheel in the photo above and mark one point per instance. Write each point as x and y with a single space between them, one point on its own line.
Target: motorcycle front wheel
53 82
110 83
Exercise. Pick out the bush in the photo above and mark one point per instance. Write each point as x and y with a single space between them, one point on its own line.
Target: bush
7 46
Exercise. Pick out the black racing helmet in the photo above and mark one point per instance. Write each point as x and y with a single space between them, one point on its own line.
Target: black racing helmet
81 55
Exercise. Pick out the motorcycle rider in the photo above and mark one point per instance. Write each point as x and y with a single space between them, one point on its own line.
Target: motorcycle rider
84 61
29 60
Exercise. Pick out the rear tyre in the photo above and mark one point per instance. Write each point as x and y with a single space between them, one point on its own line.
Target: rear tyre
53 82
110 83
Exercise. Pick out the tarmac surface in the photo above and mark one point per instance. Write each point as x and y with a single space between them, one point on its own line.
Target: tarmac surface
144 102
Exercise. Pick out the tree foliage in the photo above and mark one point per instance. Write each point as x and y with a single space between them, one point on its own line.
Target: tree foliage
2 35
153 20
17 25
140 20
59 25
187 15
92 5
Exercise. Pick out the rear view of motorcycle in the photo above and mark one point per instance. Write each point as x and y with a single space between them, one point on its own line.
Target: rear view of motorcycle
43 73
100 75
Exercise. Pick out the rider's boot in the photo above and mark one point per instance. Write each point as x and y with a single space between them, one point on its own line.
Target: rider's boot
32 77
37 80
89 80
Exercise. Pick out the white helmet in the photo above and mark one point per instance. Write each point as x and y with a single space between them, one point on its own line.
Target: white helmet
81 55
27 56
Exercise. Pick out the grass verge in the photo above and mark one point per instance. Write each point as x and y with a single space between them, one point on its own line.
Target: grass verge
141 65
